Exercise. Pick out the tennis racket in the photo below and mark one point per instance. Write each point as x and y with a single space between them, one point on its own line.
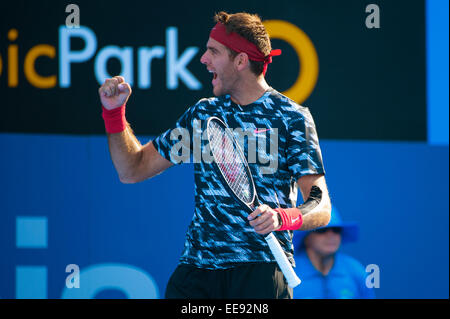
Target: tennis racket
234 170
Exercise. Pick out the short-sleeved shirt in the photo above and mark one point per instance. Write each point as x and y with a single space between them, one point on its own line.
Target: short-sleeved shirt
346 279
280 142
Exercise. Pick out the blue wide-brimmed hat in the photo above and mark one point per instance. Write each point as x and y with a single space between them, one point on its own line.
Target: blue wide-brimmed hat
349 233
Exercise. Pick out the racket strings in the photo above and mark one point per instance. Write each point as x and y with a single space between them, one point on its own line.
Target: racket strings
230 161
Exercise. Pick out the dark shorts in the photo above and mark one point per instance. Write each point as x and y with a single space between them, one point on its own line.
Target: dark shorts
258 280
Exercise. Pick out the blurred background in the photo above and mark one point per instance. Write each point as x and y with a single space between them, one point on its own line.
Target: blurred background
374 75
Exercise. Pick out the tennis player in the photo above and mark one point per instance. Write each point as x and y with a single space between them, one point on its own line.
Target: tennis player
225 254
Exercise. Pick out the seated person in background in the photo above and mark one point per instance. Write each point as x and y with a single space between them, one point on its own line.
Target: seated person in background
325 272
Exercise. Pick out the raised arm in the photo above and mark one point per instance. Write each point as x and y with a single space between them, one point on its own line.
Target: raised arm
133 162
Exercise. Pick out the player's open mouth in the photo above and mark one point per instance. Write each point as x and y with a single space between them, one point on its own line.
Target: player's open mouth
214 76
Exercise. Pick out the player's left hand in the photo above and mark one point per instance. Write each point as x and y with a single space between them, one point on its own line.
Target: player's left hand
264 220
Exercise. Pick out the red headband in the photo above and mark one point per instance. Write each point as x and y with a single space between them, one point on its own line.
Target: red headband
239 44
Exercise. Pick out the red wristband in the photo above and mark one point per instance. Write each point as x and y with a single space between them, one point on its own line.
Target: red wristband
291 217
115 121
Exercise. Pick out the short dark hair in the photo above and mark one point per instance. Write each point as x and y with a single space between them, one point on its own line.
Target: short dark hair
250 27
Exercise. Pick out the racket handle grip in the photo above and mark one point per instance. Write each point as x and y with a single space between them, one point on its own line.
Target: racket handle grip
285 266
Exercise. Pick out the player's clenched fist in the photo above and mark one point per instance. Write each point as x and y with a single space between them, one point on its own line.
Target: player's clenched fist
114 92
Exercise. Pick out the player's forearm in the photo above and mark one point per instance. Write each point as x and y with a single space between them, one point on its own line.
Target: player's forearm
313 213
317 216
126 154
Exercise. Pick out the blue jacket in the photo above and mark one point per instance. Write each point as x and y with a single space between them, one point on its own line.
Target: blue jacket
346 279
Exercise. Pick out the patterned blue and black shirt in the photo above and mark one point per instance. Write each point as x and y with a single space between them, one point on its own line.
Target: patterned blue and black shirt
280 142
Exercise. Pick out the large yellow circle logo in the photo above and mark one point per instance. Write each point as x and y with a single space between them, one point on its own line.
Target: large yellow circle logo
309 63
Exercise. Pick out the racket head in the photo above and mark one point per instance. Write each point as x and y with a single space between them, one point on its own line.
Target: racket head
230 161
